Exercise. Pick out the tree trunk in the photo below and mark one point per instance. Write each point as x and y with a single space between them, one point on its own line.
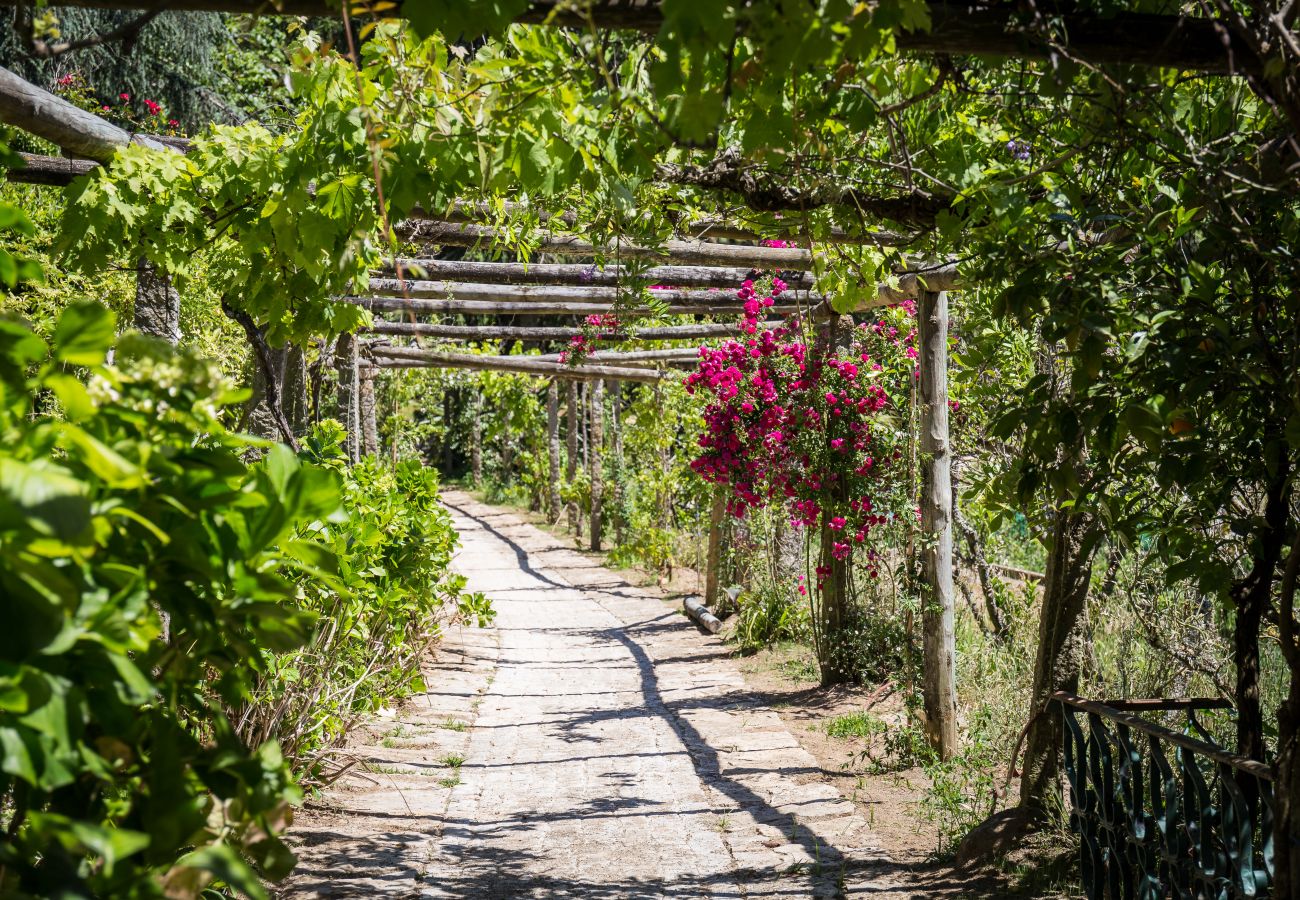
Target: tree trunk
830 598
157 304
348 394
553 450
573 423
1062 645
595 446
1251 597
1286 796
937 612
369 423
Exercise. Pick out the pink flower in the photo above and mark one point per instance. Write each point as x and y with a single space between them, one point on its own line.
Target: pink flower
124 97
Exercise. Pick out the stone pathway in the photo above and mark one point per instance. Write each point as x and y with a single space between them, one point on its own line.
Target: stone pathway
612 751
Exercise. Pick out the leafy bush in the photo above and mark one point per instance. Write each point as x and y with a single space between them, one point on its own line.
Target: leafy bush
768 614
379 611
155 581
146 573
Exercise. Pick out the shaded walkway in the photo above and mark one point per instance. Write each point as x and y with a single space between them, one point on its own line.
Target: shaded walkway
613 752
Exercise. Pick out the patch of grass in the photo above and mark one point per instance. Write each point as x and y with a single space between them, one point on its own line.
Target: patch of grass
377 769
800 669
454 724
452 761
855 725
449 782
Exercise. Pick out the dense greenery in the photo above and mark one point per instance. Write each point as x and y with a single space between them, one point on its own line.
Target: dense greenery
1125 366
182 619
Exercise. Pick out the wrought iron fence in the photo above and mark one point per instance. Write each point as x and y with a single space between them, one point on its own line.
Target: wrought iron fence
1163 814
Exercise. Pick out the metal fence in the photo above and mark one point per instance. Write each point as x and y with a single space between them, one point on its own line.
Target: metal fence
1161 813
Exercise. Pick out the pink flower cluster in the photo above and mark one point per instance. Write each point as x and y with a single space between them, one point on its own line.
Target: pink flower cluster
806 425
606 326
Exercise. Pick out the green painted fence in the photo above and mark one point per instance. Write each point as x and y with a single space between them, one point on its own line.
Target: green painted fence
1161 813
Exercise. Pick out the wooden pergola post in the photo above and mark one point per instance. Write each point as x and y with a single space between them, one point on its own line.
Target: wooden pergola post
937 612
366 412
348 395
553 450
595 445
573 417
476 440
616 427
712 567
157 304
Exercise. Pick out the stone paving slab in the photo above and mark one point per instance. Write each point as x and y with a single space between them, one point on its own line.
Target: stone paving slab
614 752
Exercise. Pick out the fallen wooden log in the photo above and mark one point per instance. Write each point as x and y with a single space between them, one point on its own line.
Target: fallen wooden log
700 614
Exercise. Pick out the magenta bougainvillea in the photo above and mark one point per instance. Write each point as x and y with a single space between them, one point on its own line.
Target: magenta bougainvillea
816 426
606 327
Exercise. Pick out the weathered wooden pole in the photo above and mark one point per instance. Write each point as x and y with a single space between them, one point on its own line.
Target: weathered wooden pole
157 304
476 440
573 420
369 422
616 427
553 450
937 611
596 446
712 568
348 395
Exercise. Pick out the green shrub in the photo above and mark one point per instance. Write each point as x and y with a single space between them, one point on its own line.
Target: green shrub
147 572
175 613
379 615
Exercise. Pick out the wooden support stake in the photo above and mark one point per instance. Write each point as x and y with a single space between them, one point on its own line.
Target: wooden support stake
937 611
553 449
596 448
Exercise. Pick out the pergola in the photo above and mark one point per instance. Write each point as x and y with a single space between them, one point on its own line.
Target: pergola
695 272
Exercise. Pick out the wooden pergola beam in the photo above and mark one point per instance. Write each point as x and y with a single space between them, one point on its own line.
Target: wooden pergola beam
546 333
81 133
712 228
1188 43
547 293
722 306
694 253
399 357
453 270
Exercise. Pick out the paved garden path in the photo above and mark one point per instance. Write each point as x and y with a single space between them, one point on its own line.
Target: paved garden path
593 743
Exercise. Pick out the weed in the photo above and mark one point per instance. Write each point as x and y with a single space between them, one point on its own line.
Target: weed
450 781
452 761
855 725
454 724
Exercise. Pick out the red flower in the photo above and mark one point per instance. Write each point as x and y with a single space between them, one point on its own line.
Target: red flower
124 97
